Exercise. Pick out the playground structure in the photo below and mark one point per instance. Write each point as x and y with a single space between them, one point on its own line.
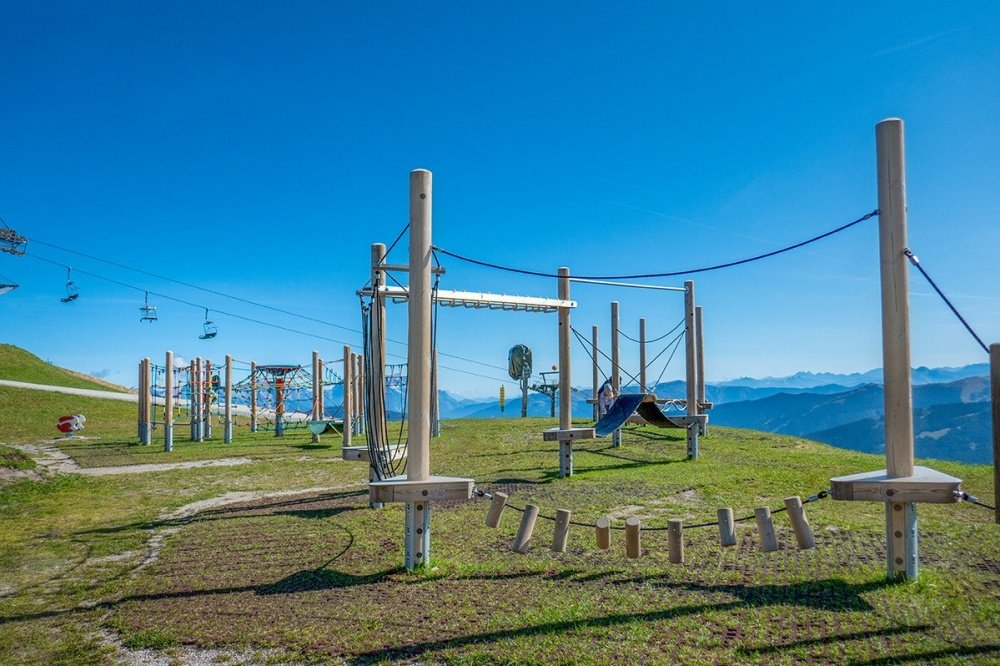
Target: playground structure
269 396
644 407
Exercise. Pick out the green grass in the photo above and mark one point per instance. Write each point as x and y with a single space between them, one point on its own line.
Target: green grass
19 365
14 459
316 576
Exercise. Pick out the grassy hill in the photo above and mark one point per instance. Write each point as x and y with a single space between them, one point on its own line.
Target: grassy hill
19 365
312 575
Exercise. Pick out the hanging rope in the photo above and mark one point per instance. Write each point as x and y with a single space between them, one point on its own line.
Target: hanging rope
676 343
649 342
689 271
583 342
916 263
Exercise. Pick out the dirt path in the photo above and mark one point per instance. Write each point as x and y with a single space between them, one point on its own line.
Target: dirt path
53 460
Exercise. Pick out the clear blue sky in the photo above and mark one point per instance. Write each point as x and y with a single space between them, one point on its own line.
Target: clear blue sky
259 148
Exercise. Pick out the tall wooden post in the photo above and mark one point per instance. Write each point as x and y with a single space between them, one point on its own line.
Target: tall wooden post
642 356
376 408
168 403
616 380
700 346
253 396
901 517
207 393
418 425
322 400
193 393
565 386
995 404
359 402
348 386
595 375
146 400
279 405
227 435
691 378
354 393
316 390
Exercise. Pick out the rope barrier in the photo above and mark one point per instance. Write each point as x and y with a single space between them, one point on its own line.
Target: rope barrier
812 498
972 499
689 271
628 337
916 263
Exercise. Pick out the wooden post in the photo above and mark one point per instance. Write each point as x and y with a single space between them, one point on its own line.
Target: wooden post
633 538
279 406
227 436
561 534
497 505
603 533
768 539
207 392
700 346
253 396
797 514
901 520
359 403
376 408
691 353
642 356
168 403
616 379
194 391
675 541
418 424
346 385
322 400
995 403
315 415
146 400
595 376
354 393
525 529
727 528
138 419
565 385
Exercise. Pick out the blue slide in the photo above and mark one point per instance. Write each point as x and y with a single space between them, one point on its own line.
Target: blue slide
622 408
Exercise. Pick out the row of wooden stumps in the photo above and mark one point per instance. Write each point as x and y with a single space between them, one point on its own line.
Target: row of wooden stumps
633 533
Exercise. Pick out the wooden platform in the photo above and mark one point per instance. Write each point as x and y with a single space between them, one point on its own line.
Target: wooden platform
926 485
401 489
557 435
361 453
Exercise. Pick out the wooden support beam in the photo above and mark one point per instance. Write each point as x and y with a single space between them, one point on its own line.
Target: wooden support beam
168 403
691 366
596 368
347 386
570 434
361 453
227 435
616 380
995 411
403 489
923 485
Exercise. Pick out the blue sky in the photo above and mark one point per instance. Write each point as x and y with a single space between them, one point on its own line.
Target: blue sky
258 149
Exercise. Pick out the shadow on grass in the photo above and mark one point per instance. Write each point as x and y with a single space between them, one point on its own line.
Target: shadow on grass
855 636
829 594
928 657
277 506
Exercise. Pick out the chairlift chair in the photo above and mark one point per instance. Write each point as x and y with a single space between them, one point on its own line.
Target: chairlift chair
211 330
72 291
148 311
6 285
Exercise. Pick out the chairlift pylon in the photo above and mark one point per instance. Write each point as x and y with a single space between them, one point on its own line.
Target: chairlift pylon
148 311
211 330
72 291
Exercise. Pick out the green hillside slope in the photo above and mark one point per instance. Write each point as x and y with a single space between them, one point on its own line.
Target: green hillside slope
22 366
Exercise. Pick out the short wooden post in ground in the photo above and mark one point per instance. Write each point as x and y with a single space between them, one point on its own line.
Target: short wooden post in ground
602 531
797 513
561 534
691 368
497 505
227 436
727 528
526 528
768 539
633 538
675 541
168 403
